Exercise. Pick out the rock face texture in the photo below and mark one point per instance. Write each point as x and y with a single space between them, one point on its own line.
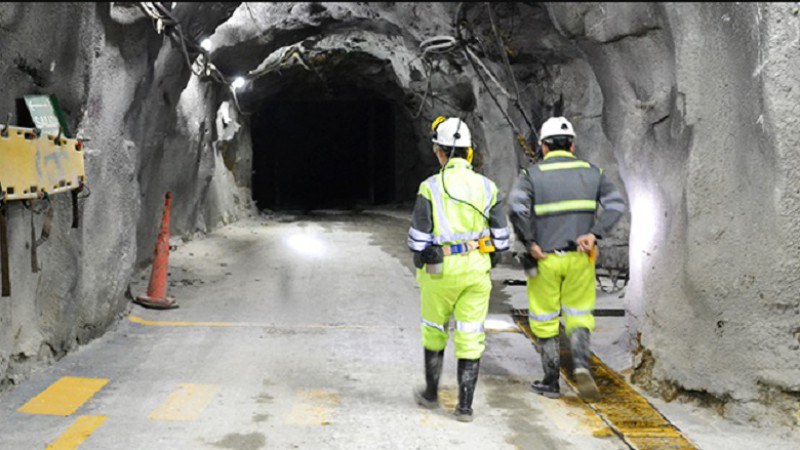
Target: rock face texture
692 109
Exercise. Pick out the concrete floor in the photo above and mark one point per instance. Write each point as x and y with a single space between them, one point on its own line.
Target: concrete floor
303 332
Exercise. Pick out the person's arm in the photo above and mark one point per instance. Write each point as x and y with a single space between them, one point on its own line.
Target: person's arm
498 225
520 202
610 199
420 234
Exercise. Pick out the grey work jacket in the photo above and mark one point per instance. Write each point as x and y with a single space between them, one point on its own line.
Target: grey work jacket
556 200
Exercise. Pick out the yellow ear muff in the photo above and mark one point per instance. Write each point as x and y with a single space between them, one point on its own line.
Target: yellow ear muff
469 155
436 122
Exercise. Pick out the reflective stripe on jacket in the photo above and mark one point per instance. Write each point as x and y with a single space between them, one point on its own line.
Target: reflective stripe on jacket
555 201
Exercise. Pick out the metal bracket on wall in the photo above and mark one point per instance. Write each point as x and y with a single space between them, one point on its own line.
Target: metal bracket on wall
36 165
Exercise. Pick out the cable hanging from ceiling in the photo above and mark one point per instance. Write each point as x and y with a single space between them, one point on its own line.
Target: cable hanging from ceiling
166 22
477 64
442 44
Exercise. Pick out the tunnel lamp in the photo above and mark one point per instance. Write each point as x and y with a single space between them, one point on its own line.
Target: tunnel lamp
238 83
206 44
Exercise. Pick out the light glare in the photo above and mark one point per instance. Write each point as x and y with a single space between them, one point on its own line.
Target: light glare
238 83
306 244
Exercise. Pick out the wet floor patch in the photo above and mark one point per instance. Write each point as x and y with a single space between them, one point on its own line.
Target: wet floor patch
251 441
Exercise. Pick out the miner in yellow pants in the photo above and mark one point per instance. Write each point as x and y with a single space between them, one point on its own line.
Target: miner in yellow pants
554 212
457 225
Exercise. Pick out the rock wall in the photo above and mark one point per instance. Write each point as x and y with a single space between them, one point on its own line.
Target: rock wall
700 109
123 88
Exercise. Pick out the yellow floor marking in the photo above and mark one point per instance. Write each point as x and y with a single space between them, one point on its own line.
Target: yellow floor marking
81 429
571 416
313 407
64 396
626 412
187 403
426 418
448 399
162 323
501 330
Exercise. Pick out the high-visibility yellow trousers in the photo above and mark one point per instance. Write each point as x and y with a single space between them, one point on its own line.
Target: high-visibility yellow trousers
465 296
565 285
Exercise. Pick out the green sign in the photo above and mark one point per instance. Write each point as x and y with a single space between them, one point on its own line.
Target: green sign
46 114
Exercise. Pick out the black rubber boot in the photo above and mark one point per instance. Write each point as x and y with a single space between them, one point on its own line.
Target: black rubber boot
550 364
580 354
467 378
428 396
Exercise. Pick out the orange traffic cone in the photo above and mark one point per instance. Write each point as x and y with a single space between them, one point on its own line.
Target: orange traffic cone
157 290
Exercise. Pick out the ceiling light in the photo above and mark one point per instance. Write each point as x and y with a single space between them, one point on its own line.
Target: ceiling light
238 83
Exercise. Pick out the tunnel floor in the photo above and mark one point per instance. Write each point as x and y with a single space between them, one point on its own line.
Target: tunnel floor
332 154
302 331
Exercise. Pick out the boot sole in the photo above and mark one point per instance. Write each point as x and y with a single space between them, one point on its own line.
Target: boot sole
586 385
464 417
548 394
425 403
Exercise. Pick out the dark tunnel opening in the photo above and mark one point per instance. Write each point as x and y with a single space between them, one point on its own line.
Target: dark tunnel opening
335 154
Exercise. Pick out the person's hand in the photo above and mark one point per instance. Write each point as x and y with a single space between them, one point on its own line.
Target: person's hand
586 242
537 252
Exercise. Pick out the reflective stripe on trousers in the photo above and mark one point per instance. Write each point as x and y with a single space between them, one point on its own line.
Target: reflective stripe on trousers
463 295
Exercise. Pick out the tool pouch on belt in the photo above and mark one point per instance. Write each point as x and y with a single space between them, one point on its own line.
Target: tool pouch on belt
432 257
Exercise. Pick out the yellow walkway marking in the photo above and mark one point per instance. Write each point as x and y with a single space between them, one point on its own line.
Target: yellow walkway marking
313 407
572 415
162 323
187 403
81 429
165 323
64 397
629 415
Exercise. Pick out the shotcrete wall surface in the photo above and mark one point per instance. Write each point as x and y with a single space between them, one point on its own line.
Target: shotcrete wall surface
691 109
701 103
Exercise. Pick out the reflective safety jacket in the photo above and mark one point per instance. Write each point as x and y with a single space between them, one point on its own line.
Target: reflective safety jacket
443 216
556 200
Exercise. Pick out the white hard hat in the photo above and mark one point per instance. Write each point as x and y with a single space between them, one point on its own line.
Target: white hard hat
556 126
452 132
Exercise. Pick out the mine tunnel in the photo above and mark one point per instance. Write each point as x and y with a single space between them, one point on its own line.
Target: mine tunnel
213 216
345 146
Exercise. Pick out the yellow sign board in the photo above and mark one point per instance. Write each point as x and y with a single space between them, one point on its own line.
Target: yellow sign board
31 165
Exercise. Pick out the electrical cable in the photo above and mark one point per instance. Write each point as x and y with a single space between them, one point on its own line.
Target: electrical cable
508 67
444 169
470 56
167 21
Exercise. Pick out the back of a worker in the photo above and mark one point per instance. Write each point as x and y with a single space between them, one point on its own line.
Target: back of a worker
457 224
554 211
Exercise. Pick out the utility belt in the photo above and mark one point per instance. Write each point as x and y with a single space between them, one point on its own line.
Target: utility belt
433 256
484 245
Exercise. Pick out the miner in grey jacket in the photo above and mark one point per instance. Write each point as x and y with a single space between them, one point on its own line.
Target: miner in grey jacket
554 212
